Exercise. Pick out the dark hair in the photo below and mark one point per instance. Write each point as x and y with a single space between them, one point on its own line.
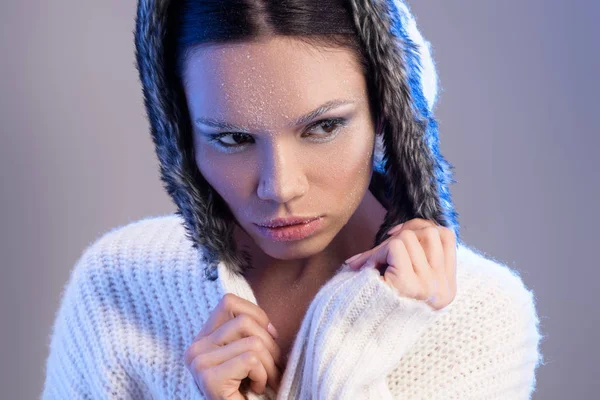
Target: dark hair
326 23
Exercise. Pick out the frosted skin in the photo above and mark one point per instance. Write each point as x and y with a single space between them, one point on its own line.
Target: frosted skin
264 86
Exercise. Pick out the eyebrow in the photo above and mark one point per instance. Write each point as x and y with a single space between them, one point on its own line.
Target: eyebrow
303 119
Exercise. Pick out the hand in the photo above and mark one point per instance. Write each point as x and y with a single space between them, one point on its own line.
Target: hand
232 345
421 261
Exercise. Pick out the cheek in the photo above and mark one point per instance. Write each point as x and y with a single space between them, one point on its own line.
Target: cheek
346 167
232 180
340 176
337 175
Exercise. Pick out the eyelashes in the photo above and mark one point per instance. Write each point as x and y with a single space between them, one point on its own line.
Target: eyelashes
331 126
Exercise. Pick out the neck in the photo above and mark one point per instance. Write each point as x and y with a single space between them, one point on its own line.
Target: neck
310 273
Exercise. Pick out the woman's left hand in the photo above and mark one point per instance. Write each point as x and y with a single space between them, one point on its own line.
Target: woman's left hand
421 259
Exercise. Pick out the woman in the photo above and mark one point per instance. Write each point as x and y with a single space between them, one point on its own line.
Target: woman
316 115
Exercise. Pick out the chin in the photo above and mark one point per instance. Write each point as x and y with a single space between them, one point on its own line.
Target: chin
294 249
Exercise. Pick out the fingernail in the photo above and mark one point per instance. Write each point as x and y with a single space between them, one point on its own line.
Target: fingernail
272 330
353 258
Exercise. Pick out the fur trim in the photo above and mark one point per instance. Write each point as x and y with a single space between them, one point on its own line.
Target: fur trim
416 175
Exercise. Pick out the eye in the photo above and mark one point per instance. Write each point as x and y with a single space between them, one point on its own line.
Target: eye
238 140
331 126
235 139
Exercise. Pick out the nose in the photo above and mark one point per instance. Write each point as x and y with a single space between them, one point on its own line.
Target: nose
281 175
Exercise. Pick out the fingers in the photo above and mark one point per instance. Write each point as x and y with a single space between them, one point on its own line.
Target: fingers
238 328
235 330
251 346
416 224
244 365
395 229
420 264
419 259
448 238
232 339
431 242
229 307
244 326
400 273
413 224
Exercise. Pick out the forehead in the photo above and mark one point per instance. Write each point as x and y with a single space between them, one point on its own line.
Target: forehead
270 81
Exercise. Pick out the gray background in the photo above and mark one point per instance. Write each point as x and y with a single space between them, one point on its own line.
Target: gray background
518 119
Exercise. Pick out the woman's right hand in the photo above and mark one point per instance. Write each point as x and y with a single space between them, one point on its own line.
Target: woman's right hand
233 344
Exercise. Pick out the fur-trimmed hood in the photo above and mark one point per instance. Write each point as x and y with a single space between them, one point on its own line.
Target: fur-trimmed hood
410 176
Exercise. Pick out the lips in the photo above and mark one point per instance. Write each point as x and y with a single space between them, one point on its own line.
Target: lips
298 231
279 222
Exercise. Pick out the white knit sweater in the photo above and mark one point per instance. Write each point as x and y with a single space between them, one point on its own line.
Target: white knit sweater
138 296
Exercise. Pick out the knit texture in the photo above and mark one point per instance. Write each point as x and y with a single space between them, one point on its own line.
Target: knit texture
138 296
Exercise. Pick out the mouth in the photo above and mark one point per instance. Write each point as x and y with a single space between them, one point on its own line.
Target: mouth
290 229
278 222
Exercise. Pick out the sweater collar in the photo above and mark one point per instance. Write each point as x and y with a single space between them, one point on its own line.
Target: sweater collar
232 282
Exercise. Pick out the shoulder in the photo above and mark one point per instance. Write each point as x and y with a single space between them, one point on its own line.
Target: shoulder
489 330
135 283
494 304
148 264
483 275
153 253
149 241
150 232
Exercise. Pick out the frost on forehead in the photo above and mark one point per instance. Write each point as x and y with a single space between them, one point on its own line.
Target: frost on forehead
270 83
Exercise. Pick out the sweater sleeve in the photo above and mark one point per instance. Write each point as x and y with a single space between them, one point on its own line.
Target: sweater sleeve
499 356
355 331
66 367
82 363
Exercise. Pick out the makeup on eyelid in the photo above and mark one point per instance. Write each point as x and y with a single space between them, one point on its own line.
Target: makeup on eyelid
338 124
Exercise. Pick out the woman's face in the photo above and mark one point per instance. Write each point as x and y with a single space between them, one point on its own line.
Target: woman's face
282 129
